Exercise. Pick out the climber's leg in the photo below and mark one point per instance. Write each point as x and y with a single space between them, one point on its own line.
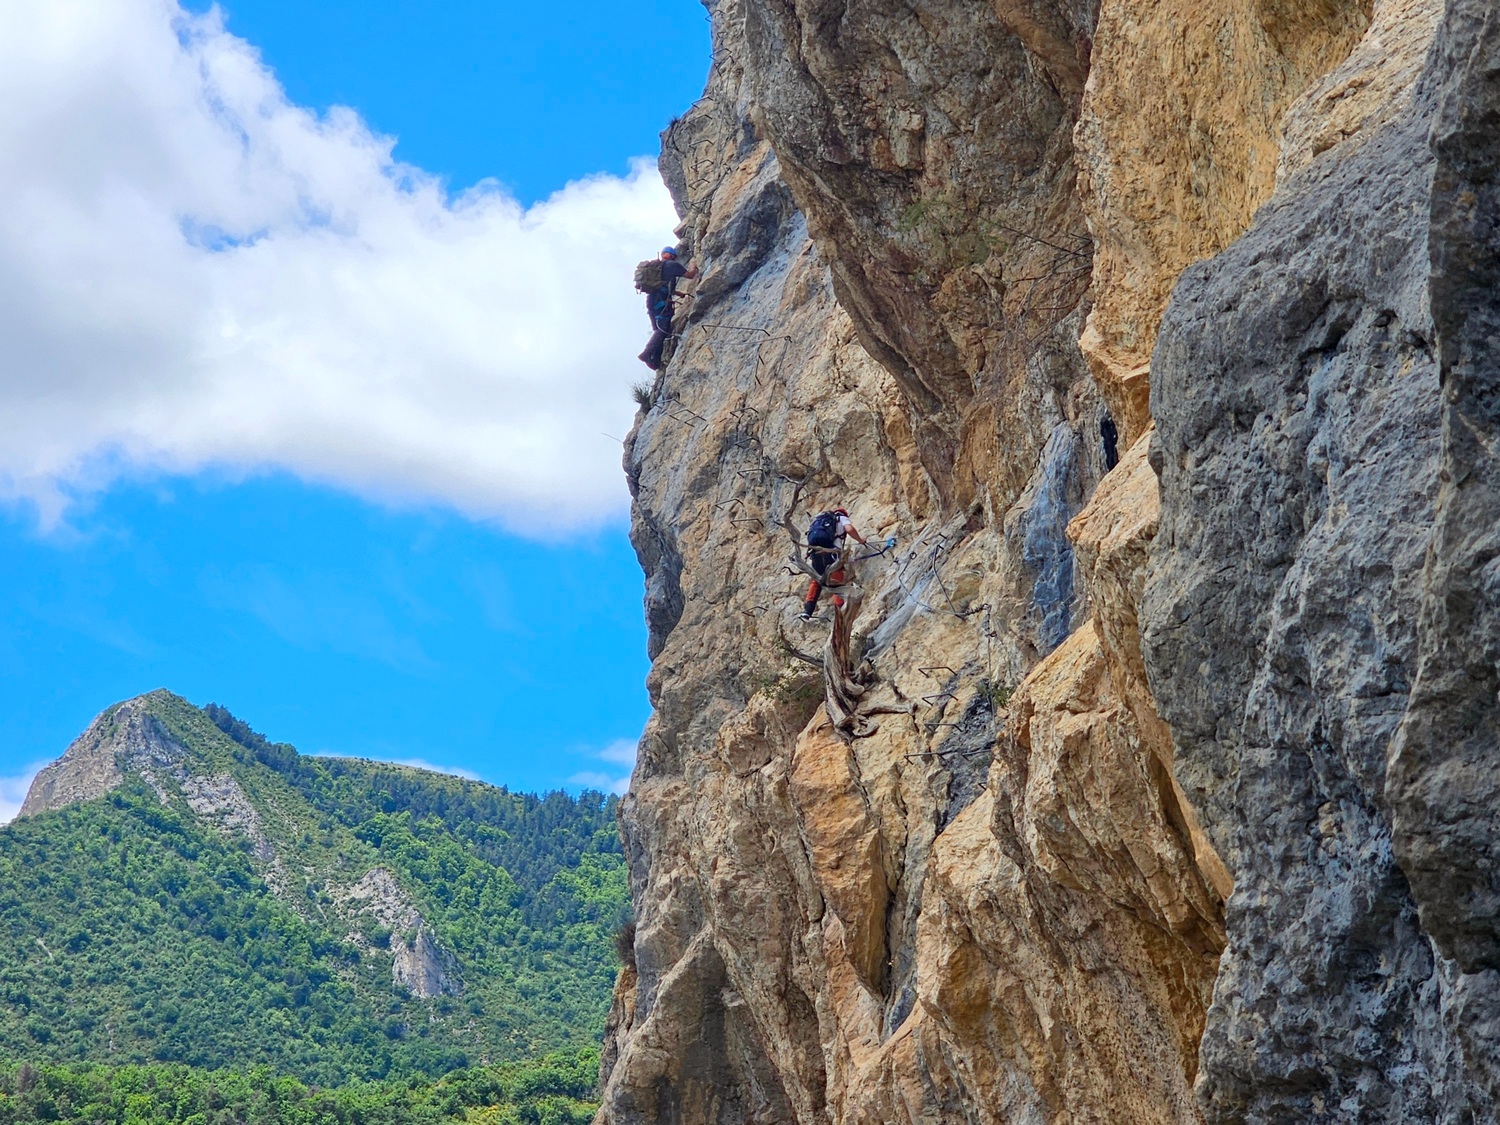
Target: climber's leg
837 577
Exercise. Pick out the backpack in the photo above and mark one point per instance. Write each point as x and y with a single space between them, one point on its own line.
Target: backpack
648 276
823 532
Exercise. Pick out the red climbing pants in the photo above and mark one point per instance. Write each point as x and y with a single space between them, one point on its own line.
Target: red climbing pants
814 588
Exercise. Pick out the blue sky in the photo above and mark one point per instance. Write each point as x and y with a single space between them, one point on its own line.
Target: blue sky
380 516
531 94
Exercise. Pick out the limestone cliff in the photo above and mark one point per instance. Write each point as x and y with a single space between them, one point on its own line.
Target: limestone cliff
123 739
1150 776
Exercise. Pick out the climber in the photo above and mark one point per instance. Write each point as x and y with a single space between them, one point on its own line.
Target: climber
657 278
1110 436
825 546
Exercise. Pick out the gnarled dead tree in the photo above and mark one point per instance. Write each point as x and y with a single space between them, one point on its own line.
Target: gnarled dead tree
843 684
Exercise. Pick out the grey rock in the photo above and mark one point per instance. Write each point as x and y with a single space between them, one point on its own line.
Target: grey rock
125 738
418 963
1052 498
1443 780
221 801
1306 451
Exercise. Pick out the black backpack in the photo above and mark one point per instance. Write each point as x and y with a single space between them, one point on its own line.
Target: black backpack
824 531
648 276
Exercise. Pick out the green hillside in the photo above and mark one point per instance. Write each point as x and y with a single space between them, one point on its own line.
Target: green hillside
268 927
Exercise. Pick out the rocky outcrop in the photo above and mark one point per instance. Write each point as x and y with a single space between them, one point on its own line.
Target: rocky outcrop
418 963
126 738
1150 776
814 899
1179 145
129 740
1441 780
933 160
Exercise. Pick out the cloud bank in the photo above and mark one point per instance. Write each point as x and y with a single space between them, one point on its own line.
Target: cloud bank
620 756
195 272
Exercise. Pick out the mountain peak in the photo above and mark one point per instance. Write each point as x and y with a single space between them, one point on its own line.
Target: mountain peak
125 738
197 893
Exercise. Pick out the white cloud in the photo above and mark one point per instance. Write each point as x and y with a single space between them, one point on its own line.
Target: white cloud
430 767
621 752
195 272
603 782
13 791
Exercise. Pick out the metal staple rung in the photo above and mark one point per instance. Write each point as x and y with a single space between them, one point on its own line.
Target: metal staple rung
944 753
931 668
929 699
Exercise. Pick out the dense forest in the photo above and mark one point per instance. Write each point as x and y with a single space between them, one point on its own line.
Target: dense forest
135 932
554 1091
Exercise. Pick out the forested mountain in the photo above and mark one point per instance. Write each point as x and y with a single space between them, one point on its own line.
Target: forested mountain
178 889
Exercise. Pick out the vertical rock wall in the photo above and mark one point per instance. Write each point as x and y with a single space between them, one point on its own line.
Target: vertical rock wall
1297 593
987 882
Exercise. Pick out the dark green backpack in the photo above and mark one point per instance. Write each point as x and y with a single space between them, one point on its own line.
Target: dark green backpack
648 276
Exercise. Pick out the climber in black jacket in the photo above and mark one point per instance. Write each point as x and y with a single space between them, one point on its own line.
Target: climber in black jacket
825 547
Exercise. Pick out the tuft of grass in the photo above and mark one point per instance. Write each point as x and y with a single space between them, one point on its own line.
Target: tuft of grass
625 943
642 393
797 686
996 694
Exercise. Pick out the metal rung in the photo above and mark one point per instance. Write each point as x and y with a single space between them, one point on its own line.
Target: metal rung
945 753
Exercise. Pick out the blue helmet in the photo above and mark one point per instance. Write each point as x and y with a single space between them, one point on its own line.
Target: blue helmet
672 250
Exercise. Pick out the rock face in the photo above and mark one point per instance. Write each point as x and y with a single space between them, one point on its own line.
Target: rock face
1152 775
1301 605
125 738
418 963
